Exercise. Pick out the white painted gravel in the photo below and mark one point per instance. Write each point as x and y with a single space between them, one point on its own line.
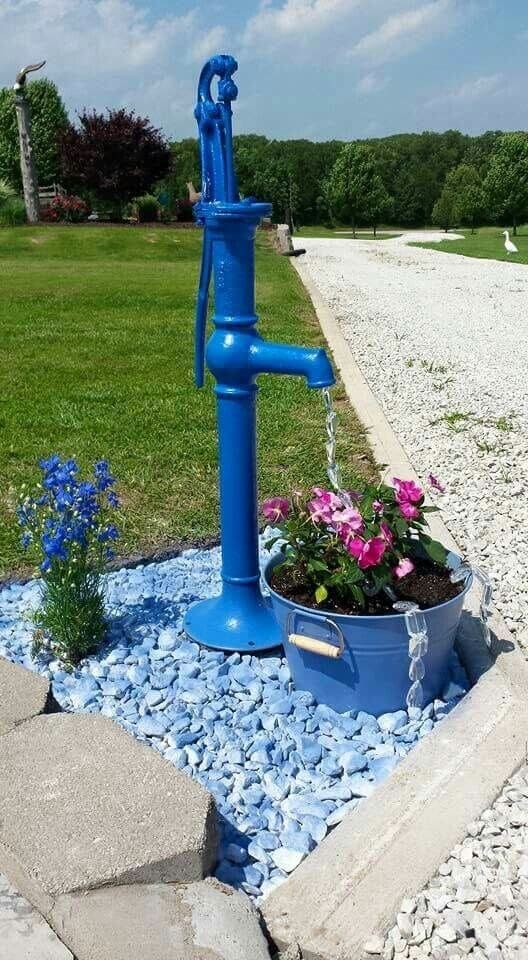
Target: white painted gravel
442 340
477 904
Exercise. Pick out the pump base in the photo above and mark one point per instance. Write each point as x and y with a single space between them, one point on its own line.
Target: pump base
245 624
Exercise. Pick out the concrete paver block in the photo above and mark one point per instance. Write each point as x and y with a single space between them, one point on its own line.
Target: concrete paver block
23 695
198 921
83 804
24 934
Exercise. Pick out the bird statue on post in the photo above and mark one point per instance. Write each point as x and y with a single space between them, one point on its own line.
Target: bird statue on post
27 163
509 245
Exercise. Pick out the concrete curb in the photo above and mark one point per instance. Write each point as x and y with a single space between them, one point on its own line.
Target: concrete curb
23 695
84 805
351 886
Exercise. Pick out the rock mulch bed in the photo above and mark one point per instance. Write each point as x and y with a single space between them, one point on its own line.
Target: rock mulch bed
477 904
437 336
283 770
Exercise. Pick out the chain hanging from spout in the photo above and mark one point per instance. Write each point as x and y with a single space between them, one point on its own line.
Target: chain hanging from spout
332 467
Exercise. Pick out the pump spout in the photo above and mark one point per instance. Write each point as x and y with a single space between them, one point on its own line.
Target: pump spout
309 362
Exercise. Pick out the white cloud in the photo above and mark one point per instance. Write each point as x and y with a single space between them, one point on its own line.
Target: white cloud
470 91
370 83
296 19
209 42
122 53
402 32
102 52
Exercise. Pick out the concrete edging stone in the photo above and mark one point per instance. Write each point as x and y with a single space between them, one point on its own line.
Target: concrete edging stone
85 805
23 695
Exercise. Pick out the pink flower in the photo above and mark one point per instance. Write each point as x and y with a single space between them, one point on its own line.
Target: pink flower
435 483
328 498
368 553
408 511
350 517
386 533
320 512
407 490
404 567
324 505
275 509
378 507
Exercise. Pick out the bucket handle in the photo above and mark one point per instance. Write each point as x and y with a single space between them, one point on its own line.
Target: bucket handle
321 647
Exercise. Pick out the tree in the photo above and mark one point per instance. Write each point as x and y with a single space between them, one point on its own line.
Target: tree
185 168
48 120
116 157
465 185
356 188
443 214
506 184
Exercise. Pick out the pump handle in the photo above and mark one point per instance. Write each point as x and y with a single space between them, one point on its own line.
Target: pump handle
218 176
215 130
202 305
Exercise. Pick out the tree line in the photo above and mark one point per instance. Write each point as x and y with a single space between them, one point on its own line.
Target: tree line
412 179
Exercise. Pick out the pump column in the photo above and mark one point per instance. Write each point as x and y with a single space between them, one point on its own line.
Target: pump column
240 618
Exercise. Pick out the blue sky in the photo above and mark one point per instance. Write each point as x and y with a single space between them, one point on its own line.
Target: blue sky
308 68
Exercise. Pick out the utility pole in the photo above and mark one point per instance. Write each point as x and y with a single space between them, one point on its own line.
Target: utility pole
27 163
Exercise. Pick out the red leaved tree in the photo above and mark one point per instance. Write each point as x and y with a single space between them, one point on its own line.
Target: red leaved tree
114 156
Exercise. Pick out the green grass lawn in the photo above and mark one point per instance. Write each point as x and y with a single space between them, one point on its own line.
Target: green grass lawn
96 361
343 233
487 243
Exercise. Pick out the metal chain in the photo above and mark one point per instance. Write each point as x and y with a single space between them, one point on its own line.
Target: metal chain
332 468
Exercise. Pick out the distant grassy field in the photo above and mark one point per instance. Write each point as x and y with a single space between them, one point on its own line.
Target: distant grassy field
487 243
343 233
96 361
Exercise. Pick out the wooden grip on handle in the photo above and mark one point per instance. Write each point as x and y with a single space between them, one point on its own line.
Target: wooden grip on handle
315 646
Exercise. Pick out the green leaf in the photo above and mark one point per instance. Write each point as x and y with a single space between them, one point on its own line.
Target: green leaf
318 565
435 551
321 594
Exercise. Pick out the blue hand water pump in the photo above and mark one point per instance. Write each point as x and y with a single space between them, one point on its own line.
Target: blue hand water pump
240 618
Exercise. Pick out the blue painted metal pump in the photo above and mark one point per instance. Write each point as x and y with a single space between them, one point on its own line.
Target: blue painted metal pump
240 618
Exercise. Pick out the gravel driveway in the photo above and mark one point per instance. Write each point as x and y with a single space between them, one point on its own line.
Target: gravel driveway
442 340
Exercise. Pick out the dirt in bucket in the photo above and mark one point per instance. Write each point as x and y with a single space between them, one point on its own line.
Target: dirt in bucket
428 585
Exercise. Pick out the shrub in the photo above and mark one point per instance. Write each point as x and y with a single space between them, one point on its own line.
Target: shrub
116 156
65 209
353 546
148 208
12 212
6 190
69 526
185 211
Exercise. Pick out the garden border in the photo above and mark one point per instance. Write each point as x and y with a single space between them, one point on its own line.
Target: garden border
351 886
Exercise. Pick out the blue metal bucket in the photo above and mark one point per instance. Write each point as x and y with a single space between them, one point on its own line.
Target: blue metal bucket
363 661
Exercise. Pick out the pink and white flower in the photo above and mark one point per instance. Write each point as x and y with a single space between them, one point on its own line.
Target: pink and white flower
275 509
386 533
349 517
404 567
407 491
435 483
322 507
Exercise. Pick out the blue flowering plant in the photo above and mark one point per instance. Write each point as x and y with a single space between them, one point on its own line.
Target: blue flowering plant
69 526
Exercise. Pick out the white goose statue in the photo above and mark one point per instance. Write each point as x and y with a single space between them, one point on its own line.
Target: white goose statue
509 244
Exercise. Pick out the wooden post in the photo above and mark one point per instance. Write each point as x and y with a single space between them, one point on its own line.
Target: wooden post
27 163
